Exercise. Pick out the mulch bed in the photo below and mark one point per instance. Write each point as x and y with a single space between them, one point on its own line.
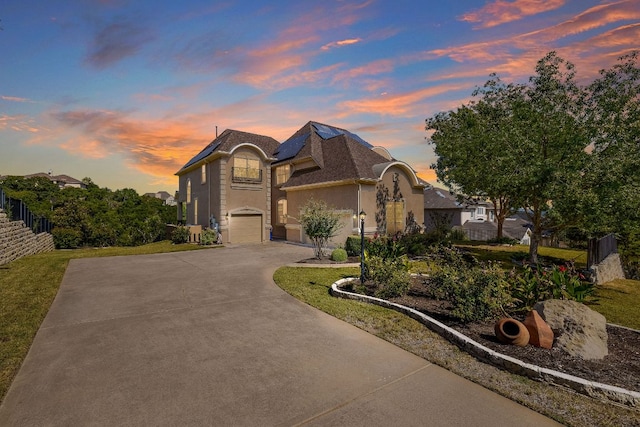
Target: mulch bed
620 368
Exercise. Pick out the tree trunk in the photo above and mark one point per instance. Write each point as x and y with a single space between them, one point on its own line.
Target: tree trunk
533 248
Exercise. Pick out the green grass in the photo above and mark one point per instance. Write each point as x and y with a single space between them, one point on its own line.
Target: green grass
504 254
27 289
311 285
619 302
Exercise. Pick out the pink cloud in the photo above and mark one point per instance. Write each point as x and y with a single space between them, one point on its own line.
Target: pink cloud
18 123
501 11
396 105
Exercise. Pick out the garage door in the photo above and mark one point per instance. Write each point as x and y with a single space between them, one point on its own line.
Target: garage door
246 229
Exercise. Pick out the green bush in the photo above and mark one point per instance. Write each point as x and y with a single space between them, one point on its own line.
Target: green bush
339 255
352 246
503 241
475 293
180 235
66 238
209 236
391 277
560 282
457 235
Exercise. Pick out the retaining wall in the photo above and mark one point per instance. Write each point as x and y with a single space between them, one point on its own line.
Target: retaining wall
17 240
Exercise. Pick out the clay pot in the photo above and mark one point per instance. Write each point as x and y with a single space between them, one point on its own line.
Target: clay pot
540 333
511 331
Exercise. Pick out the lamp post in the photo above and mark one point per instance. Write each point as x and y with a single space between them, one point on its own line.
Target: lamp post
363 215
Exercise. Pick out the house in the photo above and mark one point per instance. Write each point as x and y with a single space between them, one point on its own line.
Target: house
167 198
513 228
441 208
62 181
252 188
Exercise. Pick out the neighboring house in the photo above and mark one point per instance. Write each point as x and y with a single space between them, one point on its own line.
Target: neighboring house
513 228
167 198
443 208
62 181
274 181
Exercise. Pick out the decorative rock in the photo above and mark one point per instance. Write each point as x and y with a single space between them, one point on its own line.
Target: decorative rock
511 331
579 330
540 334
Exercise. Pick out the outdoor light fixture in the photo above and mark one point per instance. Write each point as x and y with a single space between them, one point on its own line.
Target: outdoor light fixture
363 216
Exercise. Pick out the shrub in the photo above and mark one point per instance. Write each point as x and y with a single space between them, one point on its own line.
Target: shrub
320 223
457 235
352 245
66 238
417 244
209 236
392 278
503 241
559 282
180 235
339 255
475 293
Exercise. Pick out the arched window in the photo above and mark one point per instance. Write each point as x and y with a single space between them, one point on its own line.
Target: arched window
282 211
188 191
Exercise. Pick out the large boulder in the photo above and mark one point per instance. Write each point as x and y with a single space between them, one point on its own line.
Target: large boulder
579 330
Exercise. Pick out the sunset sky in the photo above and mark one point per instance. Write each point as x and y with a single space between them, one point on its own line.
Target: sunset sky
125 92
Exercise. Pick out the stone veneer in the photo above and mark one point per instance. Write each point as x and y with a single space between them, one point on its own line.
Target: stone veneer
16 240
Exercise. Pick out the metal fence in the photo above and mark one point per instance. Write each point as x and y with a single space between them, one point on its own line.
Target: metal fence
599 249
16 210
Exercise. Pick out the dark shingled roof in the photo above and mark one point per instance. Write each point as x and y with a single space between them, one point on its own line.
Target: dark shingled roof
229 139
438 198
307 141
339 158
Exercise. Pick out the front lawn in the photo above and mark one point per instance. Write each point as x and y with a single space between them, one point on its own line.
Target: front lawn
27 289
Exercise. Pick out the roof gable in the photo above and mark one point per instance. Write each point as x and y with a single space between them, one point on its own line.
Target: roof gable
228 140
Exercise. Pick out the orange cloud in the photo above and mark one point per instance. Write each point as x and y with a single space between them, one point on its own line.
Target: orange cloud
501 12
397 105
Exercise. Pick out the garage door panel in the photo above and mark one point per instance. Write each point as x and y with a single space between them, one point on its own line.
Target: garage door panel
246 229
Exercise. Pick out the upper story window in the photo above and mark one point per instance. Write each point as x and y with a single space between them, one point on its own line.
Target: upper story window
203 174
282 211
282 174
188 191
246 169
480 210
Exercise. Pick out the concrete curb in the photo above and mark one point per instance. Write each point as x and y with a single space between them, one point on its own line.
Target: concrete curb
589 388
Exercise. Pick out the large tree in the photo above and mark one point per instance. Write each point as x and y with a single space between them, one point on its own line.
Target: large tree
466 142
522 145
551 142
614 170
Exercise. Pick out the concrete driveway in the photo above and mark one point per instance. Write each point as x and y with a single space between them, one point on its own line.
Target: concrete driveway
207 338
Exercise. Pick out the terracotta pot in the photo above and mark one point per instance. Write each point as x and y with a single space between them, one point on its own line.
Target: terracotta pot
511 331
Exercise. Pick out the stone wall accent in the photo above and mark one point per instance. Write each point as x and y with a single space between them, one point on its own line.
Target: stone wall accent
16 240
609 269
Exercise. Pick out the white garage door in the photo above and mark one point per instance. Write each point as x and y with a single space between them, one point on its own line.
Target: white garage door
246 229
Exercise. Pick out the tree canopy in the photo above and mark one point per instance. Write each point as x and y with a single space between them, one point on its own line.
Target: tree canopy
92 216
566 155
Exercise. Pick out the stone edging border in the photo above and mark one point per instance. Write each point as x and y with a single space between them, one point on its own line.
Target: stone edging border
589 388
